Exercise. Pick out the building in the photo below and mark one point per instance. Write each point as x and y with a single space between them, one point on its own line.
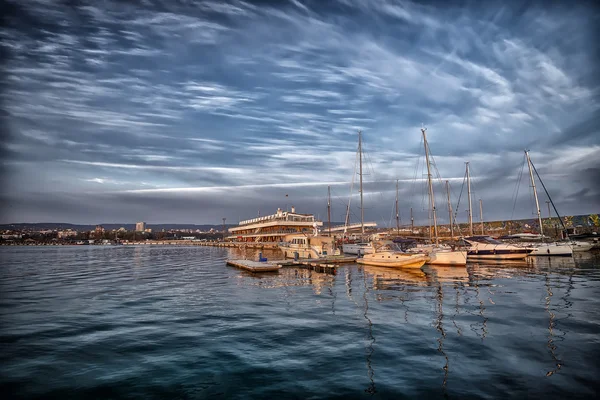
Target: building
66 234
272 228
140 227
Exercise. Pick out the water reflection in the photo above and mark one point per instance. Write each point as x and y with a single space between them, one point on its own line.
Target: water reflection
441 274
551 346
393 279
370 373
440 328
133 311
460 297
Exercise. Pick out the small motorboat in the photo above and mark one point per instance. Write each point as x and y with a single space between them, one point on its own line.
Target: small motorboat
388 256
394 259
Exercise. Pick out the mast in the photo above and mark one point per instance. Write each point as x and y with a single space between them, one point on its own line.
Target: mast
412 222
481 215
362 210
537 204
329 209
397 214
450 210
431 198
470 209
549 215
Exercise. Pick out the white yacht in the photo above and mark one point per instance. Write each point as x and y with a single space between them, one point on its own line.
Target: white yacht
358 248
551 249
488 248
307 247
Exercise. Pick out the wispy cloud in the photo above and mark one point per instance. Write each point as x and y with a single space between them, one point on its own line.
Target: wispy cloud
268 97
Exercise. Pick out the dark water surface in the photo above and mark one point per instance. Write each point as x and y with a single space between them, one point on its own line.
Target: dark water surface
175 322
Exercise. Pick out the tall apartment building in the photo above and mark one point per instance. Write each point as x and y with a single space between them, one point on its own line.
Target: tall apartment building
140 227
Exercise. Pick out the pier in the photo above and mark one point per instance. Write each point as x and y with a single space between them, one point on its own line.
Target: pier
254 266
325 264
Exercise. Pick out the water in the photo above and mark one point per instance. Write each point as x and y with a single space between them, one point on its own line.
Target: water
175 322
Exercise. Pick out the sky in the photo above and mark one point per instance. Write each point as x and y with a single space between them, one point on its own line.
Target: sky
171 111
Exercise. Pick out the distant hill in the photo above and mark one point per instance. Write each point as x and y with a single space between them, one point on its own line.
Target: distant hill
62 226
576 220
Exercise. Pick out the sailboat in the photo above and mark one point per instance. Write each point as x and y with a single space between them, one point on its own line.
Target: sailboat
438 254
545 249
362 247
485 247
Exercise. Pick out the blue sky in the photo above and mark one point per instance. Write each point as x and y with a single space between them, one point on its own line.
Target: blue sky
190 111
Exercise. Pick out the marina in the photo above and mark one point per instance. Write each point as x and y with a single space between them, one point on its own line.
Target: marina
380 199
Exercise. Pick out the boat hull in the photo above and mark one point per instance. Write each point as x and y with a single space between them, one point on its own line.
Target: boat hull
490 255
447 257
394 260
486 248
553 250
582 246
290 252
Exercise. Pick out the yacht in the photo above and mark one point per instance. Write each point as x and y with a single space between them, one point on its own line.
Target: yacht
488 248
552 249
394 259
273 228
358 248
389 255
307 247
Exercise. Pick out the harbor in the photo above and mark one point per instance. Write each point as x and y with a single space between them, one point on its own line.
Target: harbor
302 199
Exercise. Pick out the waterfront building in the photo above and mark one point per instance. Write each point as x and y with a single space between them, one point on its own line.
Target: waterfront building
67 233
272 228
140 227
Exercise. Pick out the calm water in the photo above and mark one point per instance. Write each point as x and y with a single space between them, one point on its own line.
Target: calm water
175 322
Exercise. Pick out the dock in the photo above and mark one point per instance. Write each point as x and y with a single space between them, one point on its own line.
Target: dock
326 264
254 266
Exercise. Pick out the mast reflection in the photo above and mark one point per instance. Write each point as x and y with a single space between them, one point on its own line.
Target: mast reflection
551 324
370 372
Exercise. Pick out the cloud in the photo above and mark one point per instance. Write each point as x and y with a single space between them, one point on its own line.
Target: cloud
166 101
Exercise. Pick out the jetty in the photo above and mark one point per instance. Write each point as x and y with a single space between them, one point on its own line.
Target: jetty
325 264
255 266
